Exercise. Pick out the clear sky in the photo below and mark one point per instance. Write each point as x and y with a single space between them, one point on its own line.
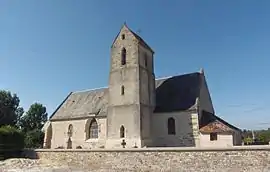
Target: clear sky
49 48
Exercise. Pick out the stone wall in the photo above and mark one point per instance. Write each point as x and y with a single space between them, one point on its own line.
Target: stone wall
223 140
186 127
252 158
79 133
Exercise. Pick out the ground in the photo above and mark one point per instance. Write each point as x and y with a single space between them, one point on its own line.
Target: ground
38 165
31 165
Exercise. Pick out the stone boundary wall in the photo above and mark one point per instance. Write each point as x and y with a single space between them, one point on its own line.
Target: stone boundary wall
240 158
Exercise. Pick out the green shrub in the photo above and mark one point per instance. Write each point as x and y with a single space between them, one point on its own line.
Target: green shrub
11 141
34 139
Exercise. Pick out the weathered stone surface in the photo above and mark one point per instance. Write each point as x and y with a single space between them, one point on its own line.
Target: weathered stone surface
236 159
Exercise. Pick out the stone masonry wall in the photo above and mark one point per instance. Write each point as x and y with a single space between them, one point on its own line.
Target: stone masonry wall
186 127
234 159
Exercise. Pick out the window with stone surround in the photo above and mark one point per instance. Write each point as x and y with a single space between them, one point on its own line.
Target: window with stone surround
123 56
213 136
93 129
123 36
171 126
122 131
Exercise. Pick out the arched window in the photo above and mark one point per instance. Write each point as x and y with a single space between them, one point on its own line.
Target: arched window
171 126
122 131
123 56
70 130
93 129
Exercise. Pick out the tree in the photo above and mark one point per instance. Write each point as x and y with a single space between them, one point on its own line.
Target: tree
31 124
264 136
34 139
35 118
19 113
10 112
248 140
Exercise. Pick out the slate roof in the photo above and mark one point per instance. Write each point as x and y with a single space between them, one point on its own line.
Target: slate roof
177 93
83 104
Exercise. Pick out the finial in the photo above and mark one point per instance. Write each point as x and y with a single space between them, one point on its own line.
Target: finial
202 71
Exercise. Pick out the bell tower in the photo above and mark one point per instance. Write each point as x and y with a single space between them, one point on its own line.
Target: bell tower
131 92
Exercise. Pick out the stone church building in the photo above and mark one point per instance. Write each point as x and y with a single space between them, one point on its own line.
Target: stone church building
138 110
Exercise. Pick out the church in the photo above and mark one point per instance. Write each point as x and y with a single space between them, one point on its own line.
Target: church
137 110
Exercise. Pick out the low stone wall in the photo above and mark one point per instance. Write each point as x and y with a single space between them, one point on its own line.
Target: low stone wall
244 158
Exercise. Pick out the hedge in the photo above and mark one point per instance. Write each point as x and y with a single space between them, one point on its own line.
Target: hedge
11 142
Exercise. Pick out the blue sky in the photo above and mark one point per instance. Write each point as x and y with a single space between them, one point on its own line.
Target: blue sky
49 48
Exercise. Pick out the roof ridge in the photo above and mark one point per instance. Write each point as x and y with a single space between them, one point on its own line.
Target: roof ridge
90 89
166 77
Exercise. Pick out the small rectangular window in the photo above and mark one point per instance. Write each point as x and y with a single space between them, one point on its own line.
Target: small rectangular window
123 56
122 90
145 60
213 136
171 126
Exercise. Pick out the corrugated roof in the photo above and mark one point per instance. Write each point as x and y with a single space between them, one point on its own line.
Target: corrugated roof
172 94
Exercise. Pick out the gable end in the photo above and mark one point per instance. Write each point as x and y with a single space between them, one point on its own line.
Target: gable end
51 117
